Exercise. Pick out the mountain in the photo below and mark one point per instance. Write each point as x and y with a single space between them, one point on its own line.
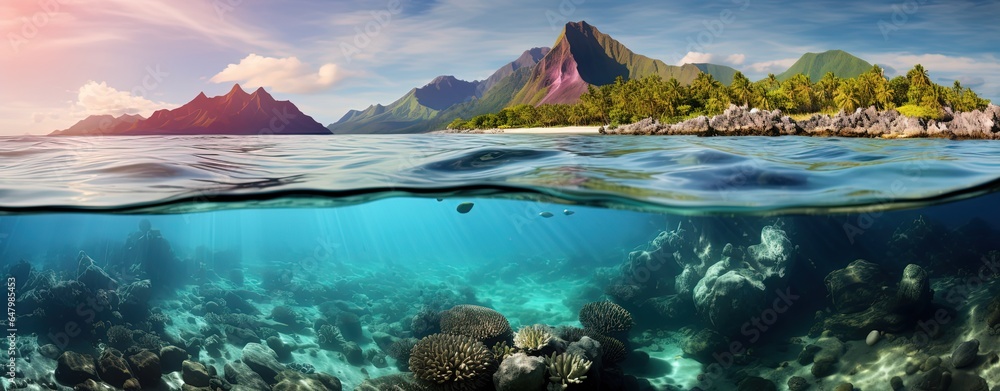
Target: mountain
815 65
236 113
583 56
445 91
420 109
98 125
721 73
527 60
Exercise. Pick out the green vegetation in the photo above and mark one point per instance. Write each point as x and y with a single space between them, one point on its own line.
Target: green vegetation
919 112
669 101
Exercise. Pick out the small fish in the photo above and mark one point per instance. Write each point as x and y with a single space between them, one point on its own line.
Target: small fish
546 214
568 212
440 199
465 207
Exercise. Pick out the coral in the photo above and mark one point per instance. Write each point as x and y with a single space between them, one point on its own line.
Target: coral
120 337
400 349
605 317
329 336
501 350
302 368
425 322
566 369
453 362
533 338
283 314
612 350
570 333
242 321
623 292
481 323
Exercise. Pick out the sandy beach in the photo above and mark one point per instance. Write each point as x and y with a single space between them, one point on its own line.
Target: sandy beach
555 130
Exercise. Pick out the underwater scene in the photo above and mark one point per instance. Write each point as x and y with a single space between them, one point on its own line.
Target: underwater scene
479 263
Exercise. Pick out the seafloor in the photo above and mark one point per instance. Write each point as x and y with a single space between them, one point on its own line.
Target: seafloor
784 307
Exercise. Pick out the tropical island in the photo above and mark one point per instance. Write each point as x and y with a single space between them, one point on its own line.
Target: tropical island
869 105
588 79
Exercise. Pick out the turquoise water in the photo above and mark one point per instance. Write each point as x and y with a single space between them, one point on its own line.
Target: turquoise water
735 259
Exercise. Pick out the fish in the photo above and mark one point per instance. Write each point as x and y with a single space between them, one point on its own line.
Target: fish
546 214
465 207
568 212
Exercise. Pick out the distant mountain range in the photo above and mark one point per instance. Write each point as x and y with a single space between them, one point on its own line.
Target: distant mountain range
581 56
236 113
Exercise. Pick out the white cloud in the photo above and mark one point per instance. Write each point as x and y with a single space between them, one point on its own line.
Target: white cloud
288 75
99 98
979 73
736 59
696 58
776 66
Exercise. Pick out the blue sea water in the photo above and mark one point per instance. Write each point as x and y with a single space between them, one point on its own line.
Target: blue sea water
209 243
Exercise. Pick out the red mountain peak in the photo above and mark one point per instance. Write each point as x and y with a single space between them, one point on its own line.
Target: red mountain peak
262 95
236 91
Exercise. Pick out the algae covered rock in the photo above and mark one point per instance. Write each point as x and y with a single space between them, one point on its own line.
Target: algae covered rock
74 368
965 354
263 360
914 292
520 372
194 374
855 287
147 367
113 369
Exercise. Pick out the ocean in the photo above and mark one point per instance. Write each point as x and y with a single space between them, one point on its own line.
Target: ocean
500 262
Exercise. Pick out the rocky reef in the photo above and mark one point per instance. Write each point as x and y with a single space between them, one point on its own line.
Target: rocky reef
869 122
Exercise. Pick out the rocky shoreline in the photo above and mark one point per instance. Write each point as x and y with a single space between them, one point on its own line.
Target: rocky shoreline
871 123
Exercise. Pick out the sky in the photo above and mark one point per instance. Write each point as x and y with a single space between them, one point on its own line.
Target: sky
62 60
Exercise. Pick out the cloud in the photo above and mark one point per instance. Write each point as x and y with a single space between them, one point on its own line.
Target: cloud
99 98
288 75
696 58
776 66
736 59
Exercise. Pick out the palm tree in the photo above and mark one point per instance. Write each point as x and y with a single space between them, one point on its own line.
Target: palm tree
918 76
772 82
742 90
847 96
827 88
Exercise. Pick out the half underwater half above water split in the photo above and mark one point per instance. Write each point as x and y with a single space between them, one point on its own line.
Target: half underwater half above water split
484 293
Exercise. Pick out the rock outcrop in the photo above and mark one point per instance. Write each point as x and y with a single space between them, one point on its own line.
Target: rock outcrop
870 122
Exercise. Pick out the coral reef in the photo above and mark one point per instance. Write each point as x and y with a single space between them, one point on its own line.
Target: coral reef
484 324
605 317
453 362
566 369
533 338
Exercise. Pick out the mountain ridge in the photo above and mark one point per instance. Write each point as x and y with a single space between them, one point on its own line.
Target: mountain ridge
236 113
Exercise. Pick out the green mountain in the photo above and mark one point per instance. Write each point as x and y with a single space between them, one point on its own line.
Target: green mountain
721 73
815 65
421 108
583 56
